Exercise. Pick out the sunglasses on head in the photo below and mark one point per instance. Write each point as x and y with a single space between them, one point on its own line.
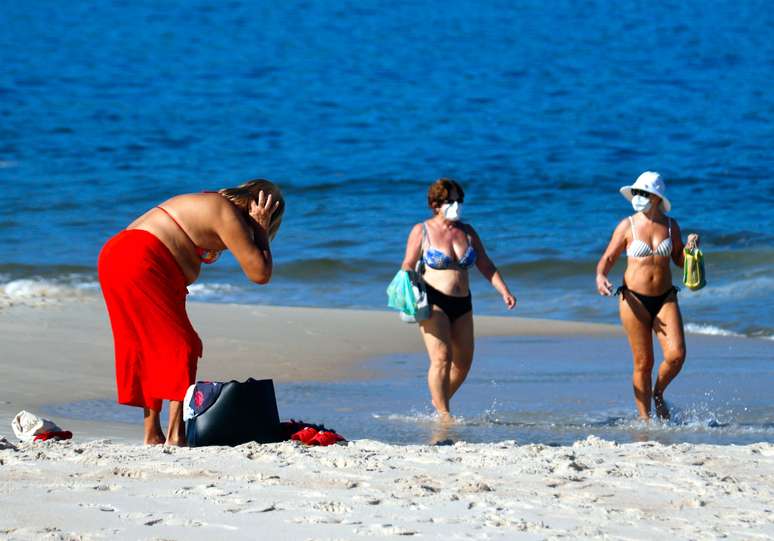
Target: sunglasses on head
643 193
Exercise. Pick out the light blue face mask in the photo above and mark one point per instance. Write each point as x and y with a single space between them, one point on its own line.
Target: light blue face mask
640 203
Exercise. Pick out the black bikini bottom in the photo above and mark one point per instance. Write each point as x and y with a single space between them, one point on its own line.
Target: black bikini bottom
453 307
652 303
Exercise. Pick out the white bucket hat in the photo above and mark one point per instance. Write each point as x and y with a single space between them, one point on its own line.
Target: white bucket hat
650 182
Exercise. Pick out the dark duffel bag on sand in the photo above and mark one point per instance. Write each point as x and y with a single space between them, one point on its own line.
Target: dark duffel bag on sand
232 413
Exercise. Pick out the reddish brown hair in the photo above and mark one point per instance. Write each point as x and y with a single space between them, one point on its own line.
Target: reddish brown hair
439 191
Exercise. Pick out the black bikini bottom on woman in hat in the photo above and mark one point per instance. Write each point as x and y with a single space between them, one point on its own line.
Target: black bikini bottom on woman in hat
652 303
453 307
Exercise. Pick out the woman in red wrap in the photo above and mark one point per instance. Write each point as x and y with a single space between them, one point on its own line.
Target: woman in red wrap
144 272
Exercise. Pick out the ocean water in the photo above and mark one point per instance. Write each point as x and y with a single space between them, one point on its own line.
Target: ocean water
550 390
542 111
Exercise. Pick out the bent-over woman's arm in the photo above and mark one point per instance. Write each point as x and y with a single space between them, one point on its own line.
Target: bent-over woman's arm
489 271
249 242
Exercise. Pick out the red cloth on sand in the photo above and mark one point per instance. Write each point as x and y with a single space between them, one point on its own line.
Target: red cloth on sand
56 435
155 344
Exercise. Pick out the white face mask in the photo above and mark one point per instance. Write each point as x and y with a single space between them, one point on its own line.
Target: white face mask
452 211
640 203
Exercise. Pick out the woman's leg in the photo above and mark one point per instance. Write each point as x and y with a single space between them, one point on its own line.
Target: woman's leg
636 322
462 351
153 434
176 428
436 333
668 326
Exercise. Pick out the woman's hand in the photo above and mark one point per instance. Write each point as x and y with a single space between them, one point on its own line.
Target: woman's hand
262 210
604 286
509 300
692 242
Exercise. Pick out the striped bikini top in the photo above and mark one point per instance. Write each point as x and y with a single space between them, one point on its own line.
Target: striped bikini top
436 259
205 255
639 248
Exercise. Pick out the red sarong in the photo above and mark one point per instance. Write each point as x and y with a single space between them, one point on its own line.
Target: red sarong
156 346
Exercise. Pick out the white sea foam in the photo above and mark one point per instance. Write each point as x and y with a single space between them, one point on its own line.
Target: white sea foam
212 290
698 328
413 418
41 292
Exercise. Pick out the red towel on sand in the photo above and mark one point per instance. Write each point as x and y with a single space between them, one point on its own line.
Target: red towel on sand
155 344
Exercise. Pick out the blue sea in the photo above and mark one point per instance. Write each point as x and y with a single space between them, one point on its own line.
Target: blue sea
541 111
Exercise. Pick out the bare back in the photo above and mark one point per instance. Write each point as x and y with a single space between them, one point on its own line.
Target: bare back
206 220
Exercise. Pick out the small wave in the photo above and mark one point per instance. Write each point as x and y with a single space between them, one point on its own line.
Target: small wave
736 239
211 291
321 268
547 268
41 292
745 288
412 418
699 328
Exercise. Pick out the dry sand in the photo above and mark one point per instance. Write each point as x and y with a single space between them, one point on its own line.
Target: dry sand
97 488
366 489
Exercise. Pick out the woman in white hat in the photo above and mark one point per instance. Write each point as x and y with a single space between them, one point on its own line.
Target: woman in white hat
648 301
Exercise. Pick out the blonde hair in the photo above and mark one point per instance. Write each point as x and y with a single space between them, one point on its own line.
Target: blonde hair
242 195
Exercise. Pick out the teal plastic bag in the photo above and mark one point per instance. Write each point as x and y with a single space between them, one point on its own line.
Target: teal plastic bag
400 294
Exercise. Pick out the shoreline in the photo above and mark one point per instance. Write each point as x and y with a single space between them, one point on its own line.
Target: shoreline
64 352
61 354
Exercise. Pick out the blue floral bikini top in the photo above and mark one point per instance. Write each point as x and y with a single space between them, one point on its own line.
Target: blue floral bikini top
436 259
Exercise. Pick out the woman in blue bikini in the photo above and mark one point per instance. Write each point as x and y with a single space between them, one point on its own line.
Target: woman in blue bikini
448 248
648 301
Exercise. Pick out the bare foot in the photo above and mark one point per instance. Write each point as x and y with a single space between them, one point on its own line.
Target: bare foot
445 418
176 428
155 439
662 410
153 435
176 435
177 442
440 435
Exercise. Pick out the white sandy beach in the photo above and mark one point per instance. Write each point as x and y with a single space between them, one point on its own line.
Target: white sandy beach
104 484
366 489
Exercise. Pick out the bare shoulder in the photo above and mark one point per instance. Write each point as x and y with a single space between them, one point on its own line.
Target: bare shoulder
467 228
416 229
623 226
471 232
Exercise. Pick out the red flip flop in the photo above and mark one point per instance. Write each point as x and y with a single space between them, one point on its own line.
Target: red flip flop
56 435
305 435
326 437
